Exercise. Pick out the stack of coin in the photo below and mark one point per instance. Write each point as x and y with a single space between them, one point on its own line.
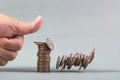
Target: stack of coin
77 60
44 49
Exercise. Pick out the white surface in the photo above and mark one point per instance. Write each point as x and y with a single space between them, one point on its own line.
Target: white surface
24 73
74 26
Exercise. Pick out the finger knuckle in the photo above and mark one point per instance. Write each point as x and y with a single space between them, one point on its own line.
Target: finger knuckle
3 62
19 46
12 56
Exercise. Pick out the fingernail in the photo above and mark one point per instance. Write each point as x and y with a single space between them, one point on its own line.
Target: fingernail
37 24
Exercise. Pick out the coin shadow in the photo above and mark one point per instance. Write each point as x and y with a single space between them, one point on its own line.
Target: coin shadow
102 71
87 71
18 69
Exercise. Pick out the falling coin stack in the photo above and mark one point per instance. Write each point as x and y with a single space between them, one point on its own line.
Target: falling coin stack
44 49
77 60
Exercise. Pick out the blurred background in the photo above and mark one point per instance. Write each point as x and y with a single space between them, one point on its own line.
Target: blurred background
74 26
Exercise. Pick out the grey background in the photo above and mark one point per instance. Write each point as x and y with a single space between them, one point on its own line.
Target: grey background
74 26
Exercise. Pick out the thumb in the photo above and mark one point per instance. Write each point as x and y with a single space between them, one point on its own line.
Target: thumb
24 28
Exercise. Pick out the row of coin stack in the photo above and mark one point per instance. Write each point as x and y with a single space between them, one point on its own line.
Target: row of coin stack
78 59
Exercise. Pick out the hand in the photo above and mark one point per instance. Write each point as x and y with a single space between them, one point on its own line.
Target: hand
12 34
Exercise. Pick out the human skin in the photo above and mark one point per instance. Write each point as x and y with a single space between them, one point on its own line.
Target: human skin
12 32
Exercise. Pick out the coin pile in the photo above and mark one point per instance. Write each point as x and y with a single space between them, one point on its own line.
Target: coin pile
78 59
44 49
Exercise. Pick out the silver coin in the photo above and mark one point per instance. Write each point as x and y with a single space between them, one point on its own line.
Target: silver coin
50 43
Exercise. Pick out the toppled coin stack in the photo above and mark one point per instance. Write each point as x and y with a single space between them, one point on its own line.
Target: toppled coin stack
44 49
77 60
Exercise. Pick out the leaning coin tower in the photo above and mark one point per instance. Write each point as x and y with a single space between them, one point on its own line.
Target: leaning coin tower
44 49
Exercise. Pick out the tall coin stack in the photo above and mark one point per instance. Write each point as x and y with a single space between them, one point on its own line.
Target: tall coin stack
44 49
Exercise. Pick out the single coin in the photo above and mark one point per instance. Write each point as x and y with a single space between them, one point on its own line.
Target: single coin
44 56
70 62
44 49
41 44
77 59
43 63
43 70
75 62
92 55
47 55
43 66
82 62
86 63
80 59
65 63
58 62
61 61
43 59
50 43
